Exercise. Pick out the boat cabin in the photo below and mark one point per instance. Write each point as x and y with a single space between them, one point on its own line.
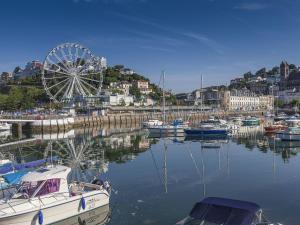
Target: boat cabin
44 181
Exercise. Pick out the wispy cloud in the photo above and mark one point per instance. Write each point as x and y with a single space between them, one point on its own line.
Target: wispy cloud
155 48
251 6
218 48
177 35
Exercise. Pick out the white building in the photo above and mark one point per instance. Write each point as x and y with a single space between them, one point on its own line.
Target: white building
118 100
143 86
244 100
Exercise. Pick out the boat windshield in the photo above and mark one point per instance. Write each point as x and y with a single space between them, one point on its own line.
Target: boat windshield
28 189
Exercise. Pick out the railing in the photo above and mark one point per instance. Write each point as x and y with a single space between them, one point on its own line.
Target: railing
65 195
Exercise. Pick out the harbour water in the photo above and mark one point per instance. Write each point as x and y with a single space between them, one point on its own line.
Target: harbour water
158 180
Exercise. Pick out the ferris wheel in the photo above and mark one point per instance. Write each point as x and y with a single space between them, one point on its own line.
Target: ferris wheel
71 70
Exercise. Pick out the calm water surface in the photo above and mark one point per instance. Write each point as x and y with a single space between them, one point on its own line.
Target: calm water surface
158 180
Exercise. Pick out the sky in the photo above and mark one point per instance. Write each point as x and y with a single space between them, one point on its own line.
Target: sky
219 39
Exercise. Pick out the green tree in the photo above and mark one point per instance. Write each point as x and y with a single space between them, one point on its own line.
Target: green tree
133 90
294 102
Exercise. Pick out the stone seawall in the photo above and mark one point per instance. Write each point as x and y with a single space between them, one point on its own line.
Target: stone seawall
65 124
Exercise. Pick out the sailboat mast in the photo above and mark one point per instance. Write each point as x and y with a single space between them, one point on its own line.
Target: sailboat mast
201 97
164 98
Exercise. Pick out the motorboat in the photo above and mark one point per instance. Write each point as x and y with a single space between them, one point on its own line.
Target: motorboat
5 126
275 127
180 123
237 120
151 123
168 130
251 121
46 197
217 211
290 134
281 116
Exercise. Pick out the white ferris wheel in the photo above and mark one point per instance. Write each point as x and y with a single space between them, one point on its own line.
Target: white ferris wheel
71 70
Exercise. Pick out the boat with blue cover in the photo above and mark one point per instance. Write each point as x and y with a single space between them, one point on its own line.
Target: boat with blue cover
251 121
222 211
206 129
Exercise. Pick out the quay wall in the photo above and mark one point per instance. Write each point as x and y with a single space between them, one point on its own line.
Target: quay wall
65 124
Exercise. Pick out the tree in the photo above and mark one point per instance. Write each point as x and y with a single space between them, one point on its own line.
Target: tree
122 102
278 103
294 102
133 90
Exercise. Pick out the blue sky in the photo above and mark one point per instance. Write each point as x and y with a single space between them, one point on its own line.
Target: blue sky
220 39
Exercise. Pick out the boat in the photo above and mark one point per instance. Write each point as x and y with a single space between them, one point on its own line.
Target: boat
98 216
290 134
46 197
206 129
275 127
251 121
215 211
281 116
151 123
237 119
5 126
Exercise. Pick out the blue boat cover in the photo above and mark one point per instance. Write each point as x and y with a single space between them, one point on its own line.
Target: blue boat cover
12 166
15 178
225 211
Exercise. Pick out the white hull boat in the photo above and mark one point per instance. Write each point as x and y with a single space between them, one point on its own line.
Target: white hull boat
5 126
151 123
291 134
166 130
46 198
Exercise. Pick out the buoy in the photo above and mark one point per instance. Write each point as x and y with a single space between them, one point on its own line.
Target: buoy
82 203
41 217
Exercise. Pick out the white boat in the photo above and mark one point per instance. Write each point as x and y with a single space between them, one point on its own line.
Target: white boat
45 197
151 123
291 134
5 126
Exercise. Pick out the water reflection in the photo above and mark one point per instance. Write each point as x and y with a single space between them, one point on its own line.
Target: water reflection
98 216
153 174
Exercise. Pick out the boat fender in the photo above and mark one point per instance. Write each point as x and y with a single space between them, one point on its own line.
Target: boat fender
82 202
41 217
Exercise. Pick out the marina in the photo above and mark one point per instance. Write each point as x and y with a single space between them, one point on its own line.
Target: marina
170 172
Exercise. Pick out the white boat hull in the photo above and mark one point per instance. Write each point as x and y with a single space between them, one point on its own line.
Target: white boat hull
56 211
288 137
165 131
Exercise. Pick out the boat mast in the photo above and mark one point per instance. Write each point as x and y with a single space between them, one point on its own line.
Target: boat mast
201 94
164 98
